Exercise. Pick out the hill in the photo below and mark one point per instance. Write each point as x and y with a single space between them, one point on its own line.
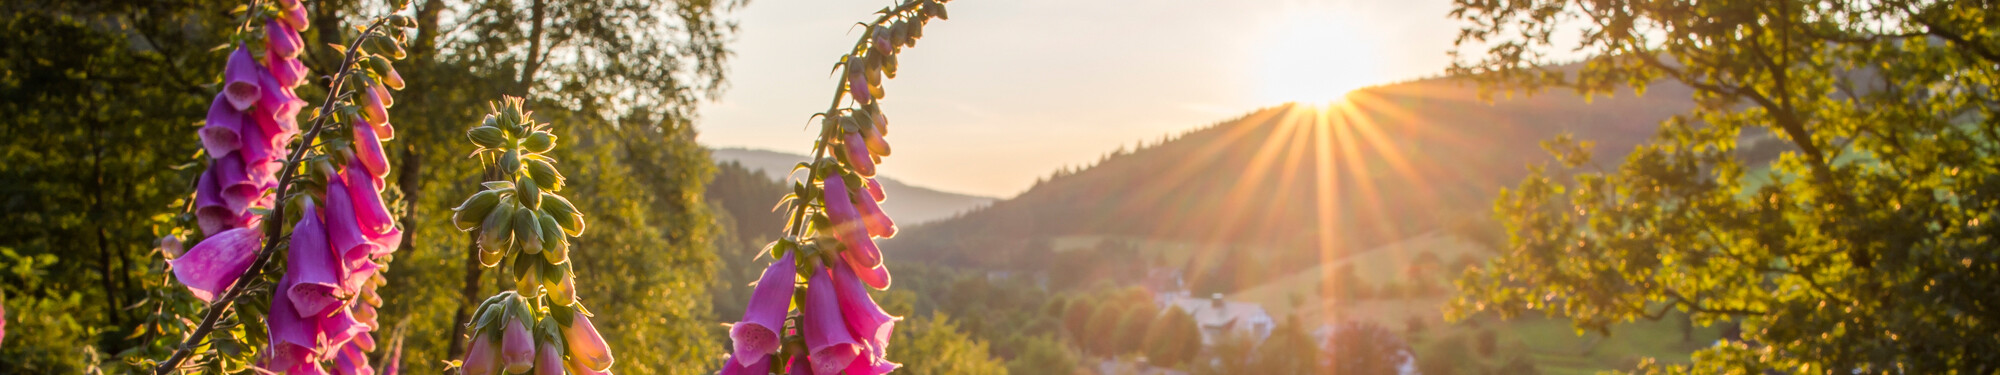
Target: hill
1394 161
907 203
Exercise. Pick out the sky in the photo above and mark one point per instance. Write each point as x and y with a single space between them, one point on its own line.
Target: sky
1007 91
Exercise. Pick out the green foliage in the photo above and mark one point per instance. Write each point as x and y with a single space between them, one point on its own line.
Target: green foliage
1076 317
1173 339
1130 335
1290 350
1043 355
101 109
1100 335
1865 246
934 346
1365 348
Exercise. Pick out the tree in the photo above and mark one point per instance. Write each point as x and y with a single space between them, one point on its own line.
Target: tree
1173 339
1131 333
1076 318
1365 348
1100 335
933 345
1289 350
1043 355
1865 246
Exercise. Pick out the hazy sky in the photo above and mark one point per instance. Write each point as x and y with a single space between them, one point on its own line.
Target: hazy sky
1009 90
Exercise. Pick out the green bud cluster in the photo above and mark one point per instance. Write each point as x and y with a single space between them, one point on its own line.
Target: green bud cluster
520 220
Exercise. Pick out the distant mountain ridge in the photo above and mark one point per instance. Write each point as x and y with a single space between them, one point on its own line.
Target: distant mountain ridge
1401 160
908 204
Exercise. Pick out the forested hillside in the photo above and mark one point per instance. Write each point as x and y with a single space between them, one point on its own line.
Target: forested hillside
1402 158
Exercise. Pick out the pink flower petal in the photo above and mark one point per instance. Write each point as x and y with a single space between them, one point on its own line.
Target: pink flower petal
827 338
220 134
281 40
878 222
296 17
517 347
875 190
212 265
847 225
732 366
242 82
757 334
857 155
287 71
862 316
369 211
311 269
586 347
344 227
368 148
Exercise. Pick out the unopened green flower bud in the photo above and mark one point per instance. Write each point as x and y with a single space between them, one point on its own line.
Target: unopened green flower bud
487 136
561 285
383 44
491 258
565 214
540 142
528 277
527 231
545 174
531 192
509 162
496 232
557 245
469 214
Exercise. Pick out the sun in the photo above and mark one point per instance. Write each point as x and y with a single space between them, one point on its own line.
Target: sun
1316 58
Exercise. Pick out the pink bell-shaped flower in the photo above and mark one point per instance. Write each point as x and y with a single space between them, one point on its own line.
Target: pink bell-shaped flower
211 212
517 347
369 212
338 329
220 135
482 357
878 222
344 226
586 347
548 359
827 338
212 265
863 317
351 361
294 338
296 17
373 109
760 366
847 225
281 40
368 148
757 335
311 269
875 190
287 71
242 82
857 155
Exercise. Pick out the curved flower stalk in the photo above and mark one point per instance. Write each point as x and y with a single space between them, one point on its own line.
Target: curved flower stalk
323 308
523 224
829 250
